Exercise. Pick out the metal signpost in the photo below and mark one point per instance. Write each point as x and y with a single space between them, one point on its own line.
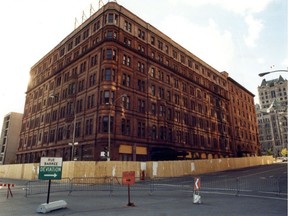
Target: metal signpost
50 169
128 178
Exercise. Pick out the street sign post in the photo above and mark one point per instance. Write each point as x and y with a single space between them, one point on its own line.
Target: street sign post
50 168
128 178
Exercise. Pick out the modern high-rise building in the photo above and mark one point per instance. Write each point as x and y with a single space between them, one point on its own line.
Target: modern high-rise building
272 115
117 86
10 136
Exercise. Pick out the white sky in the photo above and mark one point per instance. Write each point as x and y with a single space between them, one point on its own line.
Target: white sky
243 37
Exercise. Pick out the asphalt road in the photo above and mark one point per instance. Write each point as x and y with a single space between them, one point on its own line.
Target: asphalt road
166 200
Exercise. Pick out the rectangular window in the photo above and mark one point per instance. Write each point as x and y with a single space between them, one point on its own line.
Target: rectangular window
153 109
85 34
109 54
126 79
166 49
141 67
177 116
77 40
185 102
105 124
162 110
169 114
107 97
182 59
170 135
153 73
89 127
126 102
169 96
141 85
152 40
126 60
141 106
161 93
176 101
94 60
72 88
141 48
96 26
109 34
160 45
189 63
90 101
62 51
83 67
92 80
125 126
127 41
141 129
153 91
127 26
175 54
162 133
186 120
110 18
141 34
176 83
70 45
108 74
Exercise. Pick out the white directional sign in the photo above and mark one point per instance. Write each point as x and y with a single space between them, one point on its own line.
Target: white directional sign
50 168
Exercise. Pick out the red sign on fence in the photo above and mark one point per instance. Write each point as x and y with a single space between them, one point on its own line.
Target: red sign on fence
128 178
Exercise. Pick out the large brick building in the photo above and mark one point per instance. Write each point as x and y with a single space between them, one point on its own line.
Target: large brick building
162 101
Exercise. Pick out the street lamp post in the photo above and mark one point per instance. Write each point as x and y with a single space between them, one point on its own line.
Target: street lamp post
109 126
73 144
268 72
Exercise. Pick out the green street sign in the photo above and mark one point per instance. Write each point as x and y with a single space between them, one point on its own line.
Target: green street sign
50 168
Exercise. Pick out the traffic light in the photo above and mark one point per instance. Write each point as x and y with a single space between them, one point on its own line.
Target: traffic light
106 151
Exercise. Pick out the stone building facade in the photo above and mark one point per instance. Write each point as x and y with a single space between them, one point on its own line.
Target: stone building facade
163 102
272 115
10 136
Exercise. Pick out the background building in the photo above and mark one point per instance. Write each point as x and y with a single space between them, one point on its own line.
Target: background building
10 136
272 115
119 85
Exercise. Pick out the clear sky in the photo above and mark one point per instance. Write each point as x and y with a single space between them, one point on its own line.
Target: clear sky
242 37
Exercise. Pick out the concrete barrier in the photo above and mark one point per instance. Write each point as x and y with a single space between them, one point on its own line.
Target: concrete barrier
52 206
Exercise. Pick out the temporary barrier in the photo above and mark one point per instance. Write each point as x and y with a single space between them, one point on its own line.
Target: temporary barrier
152 169
209 183
47 207
196 193
9 191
